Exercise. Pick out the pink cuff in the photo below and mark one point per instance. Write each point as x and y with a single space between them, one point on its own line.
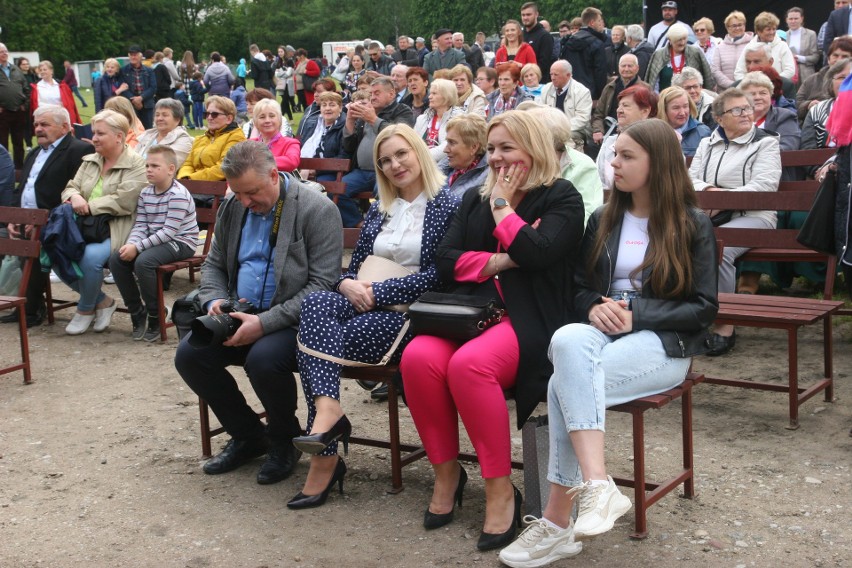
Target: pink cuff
508 229
470 265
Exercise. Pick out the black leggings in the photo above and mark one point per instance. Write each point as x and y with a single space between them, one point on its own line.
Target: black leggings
286 104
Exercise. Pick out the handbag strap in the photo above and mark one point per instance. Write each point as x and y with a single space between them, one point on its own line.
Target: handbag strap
348 363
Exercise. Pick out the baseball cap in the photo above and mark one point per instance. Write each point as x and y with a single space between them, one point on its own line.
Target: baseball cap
669 4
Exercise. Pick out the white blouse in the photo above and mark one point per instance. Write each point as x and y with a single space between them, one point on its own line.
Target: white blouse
402 232
48 93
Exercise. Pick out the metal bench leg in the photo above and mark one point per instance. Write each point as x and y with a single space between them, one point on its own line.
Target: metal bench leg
395 449
639 474
204 414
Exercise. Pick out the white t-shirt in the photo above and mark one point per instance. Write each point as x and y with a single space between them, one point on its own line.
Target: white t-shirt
631 252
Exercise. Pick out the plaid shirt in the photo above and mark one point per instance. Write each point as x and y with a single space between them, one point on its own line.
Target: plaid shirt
137 79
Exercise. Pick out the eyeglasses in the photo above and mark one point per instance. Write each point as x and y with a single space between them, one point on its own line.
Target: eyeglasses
695 87
213 114
739 111
400 156
701 31
736 25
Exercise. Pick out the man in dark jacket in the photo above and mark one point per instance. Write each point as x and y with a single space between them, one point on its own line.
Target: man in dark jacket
364 121
473 57
635 38
378 61
837 25
48 168
14 94
142 86
539 39
261 70
406 54
585 51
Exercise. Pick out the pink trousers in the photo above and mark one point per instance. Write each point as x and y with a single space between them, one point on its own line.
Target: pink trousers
444 380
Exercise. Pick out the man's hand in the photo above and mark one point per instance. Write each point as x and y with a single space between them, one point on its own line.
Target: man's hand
368 114
597 137
128 252
13 230
249 332
136 102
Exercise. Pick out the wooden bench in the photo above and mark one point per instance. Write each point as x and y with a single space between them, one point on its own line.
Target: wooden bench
217 190
776 312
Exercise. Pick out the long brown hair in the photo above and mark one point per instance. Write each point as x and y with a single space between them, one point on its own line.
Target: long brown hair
670 224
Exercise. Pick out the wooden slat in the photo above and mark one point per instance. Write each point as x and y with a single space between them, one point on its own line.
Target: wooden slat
759 238
326 164
756 200
21 216
815 157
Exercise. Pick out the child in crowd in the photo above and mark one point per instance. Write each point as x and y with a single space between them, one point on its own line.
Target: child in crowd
183 97
238 95
165 231
196 95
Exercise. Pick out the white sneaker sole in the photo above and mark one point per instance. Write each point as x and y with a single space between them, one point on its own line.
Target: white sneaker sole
560 552
621 505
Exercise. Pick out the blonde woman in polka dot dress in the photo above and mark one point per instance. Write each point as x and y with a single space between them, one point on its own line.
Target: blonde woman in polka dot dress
405 225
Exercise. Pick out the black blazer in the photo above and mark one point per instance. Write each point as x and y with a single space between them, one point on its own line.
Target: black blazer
59 169
837 25
538 294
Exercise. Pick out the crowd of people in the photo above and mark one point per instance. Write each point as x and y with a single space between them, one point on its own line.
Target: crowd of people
488 169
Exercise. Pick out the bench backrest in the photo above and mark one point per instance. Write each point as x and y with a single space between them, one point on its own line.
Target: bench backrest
339 166
217 190
28 249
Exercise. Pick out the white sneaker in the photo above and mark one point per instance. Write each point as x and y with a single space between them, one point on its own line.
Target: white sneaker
600 506
79 324
103 317
539 545
109 278
54 279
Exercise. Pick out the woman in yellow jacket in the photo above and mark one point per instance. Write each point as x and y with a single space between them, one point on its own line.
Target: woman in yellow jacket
108 182
208 150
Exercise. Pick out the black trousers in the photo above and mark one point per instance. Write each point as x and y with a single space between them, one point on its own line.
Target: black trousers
144 266
269 364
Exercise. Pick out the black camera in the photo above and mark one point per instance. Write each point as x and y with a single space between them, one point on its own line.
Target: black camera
213 330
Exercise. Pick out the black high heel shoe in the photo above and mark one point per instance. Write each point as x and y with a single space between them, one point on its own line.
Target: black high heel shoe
316 443
302 501
489 541
432 520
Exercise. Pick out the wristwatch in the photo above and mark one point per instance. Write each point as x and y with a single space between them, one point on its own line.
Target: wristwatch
499 203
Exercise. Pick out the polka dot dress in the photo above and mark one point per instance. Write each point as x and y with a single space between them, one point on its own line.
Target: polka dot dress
330 324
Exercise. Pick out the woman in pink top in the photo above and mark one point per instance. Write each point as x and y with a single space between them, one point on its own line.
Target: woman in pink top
727 53
267 119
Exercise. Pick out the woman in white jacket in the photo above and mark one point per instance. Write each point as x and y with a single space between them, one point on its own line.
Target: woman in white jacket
765 26
431 126
737 157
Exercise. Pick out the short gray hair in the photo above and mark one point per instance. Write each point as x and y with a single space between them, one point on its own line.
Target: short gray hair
718 106
677 31
384 82
171 104
635 32
565 64
56 113
756 79
248 155
753 47
688 74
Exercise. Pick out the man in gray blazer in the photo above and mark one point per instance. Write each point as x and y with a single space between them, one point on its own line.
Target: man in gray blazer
276 241
803 43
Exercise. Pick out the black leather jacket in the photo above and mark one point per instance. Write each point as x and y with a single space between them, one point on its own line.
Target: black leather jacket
681 325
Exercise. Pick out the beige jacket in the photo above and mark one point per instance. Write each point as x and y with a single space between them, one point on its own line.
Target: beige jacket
121 187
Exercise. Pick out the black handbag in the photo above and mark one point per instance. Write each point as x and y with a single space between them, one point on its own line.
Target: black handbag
453 316
722 217
94 228
185 310
817 232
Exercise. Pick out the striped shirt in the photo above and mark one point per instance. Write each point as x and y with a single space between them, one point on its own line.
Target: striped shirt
164 217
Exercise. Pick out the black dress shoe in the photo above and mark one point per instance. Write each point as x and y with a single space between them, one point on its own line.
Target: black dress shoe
302 501
380 393
35 320
279 464
235 454
32 320
719 344
432 520
11 317
490 541
316 443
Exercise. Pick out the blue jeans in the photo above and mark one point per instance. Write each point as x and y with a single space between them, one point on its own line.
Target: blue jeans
198 114
593 371
89 285
357 181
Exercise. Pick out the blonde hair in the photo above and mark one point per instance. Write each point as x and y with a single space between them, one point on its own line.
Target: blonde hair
112 61
670 94
46 63
471 129
430 176
531 67
707 23
756 79
461 69
556 122
447 89
227 105
115 121
765 20
123 107
735 15
267 105
527 132
677 31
